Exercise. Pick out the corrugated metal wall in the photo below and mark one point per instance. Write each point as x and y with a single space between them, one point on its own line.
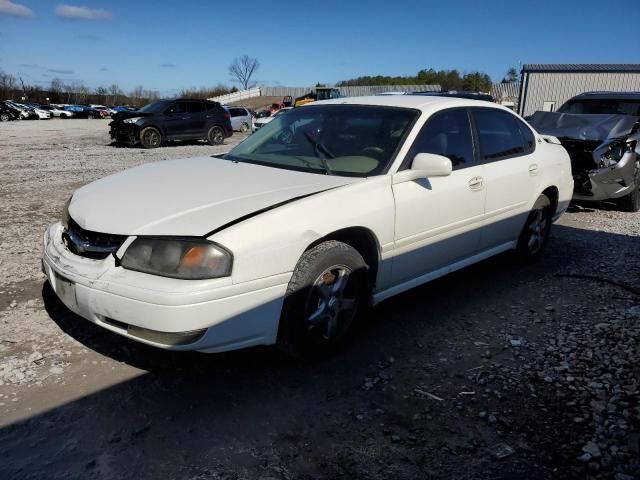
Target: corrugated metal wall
540 87
358 91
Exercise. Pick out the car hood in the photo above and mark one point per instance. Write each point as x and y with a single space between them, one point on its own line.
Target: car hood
189 197
119 116
582 126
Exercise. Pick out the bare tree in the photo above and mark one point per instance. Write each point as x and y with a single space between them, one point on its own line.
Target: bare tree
242 70
114 94
8 85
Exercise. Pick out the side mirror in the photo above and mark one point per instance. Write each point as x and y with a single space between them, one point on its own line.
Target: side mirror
425 165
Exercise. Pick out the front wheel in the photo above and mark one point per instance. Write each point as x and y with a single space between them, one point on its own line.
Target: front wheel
150 137
535 234
631 202
244 128
327 290
215 136
4 117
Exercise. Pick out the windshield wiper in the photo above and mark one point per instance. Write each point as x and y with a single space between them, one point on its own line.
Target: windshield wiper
319 146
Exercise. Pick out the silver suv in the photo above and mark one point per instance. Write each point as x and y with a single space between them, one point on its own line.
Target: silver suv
240 118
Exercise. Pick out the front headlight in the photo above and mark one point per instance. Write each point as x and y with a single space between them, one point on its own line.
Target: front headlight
613 152
131 120
184 258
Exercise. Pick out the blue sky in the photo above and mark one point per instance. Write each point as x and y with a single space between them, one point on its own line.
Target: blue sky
168 45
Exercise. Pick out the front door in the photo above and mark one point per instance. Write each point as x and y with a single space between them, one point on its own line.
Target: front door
438 220
175 120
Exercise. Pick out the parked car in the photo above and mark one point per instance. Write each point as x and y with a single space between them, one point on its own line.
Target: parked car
108 111
56 112
241 118
8 112
261 122
326 209
601 132
82 111
181 119
122 108
24 112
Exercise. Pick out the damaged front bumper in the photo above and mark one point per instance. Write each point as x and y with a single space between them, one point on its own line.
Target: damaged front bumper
125 133
611 182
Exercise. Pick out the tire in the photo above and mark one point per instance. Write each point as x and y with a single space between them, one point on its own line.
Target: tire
4 117
150 137
328 289
535 233
631 202
244 128
215 135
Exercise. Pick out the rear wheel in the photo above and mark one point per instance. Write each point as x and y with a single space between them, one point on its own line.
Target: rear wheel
150 137
244 128
215 135
535 234
328 289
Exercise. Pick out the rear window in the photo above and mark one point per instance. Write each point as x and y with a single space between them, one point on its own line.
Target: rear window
498 134
196 107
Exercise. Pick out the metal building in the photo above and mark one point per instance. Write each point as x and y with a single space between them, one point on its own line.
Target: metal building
545 87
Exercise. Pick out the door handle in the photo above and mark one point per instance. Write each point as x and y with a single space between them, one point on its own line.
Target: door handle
476 183
186 118
533 169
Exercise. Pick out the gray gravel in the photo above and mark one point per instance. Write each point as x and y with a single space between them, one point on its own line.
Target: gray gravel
499 371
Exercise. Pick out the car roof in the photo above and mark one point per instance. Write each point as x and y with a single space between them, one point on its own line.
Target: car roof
420 102
612 95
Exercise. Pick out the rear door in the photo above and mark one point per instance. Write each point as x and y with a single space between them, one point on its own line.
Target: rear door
175 120
439 219
197 119
507 149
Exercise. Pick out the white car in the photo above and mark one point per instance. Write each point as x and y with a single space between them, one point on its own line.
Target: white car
56 112
109 111
261 122
285 238
42 114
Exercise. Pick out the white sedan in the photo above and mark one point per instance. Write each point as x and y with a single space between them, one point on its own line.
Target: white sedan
335 205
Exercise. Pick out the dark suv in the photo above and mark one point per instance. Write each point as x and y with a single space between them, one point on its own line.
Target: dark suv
164 120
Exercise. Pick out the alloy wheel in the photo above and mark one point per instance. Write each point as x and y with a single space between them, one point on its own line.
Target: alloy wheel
151 138
331 307
538 228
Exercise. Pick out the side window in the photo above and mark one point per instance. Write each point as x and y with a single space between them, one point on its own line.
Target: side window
196 107
235 112
211 106
498 134
527 137
178 107
446 133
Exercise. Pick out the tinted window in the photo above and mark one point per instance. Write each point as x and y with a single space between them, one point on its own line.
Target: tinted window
447 133
196 107
211 106
498 134
178 107
527 136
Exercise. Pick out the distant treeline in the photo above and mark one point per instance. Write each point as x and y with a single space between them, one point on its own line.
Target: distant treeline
447 79
75 92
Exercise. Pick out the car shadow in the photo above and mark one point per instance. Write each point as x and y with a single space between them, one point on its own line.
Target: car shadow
194 414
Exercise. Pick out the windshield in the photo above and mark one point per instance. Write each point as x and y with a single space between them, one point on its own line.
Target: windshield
153 107
602 106
346 140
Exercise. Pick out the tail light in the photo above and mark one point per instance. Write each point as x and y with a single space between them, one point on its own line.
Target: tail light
227 116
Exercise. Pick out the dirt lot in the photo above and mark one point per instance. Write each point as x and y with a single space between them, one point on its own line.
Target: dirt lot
496 372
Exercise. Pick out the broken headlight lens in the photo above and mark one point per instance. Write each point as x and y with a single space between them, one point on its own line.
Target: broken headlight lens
614 153
184 258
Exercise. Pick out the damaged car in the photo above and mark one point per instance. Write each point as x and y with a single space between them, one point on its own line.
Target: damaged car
285 239
165 120
601 132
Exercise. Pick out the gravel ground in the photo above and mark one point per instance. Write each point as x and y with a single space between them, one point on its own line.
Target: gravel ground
498 371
